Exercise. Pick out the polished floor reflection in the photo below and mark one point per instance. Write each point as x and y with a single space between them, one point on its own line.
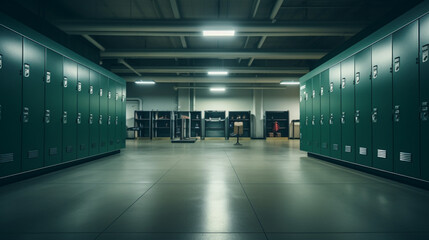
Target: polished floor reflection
212 190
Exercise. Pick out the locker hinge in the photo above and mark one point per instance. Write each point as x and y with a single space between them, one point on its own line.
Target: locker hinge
26 115
48 77
423 111
47 116
396 116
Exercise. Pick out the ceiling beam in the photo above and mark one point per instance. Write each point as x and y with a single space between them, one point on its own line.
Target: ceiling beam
275 10
215 54
176 14
94 42
122 61
261 42
178 79
253 70
194 29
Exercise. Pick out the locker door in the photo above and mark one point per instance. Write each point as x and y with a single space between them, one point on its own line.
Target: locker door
335 111
381 115
33 95
123 117
111 116
424 96
324 113
348 110
302 116
406 101
363 107
94 113
118 122
82 112
309 115
104 112
69 117
10 102
315 122
53 107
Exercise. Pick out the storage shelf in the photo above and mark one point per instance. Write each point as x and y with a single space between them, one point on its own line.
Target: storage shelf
215 128
162 119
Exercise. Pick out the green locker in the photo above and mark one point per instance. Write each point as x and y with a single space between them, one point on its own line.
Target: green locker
406 100
10 102
94 113
111 116
324 113
363 107
302 117
53 107
82 121
309 115
104 112
33 95
335 111
315 122
381 113
347 110
124 114
69 116
424 97
118 116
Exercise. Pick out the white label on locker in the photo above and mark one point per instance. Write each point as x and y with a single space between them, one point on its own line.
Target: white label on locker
101 92
425 53
348 149
1 61
357 78
91 90
397 60
343 83
65 82
374 71
79 86
26 70
331 87
48 77
381 153
321 91
362 151
404 157
109 95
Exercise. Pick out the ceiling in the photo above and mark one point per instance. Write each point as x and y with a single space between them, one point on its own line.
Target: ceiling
162 39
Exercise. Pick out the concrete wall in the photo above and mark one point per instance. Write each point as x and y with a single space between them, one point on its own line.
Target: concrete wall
160 97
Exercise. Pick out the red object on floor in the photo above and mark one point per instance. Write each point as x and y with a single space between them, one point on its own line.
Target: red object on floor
276 126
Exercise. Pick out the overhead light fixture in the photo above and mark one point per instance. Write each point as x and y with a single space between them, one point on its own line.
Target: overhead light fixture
289 83
218 33
218 89
147 82
217 73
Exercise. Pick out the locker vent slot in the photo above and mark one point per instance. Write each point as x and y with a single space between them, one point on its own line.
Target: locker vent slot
348 149
6 157
324 145
33 154
82 147
404 157
335 147
94 145
381 153
53 151
69 149
362 151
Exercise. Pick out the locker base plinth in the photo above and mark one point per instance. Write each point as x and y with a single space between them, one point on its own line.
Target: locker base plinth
374 171
40 171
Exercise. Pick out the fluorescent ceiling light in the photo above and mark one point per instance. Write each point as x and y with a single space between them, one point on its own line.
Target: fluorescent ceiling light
289 83
219 33
217 89
145 82
218 73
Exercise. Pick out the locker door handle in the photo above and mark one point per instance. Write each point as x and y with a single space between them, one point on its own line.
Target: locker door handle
123 98
396 115
117 97
357 117
101 92
343 83
100 120
47 116
374 116
90 119
65 82
109 95
91 90
425 53
1 61
423 112
48 77
331 87
116 120
306 121
26 115
79 118
26 70
374 71
313 121
79 86
108 120
397 60
343 118
357 78
0 111
64 117
321 120
331 120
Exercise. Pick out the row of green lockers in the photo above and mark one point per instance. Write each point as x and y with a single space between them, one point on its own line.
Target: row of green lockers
52 109
372 108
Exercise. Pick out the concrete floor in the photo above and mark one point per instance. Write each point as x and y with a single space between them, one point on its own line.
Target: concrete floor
212 190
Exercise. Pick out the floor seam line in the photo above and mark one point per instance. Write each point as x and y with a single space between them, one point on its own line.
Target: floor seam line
132 204
245 193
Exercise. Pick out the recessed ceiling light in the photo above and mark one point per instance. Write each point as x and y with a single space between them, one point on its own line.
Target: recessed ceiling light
217 89
289 83
218 73
148 82
218 33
